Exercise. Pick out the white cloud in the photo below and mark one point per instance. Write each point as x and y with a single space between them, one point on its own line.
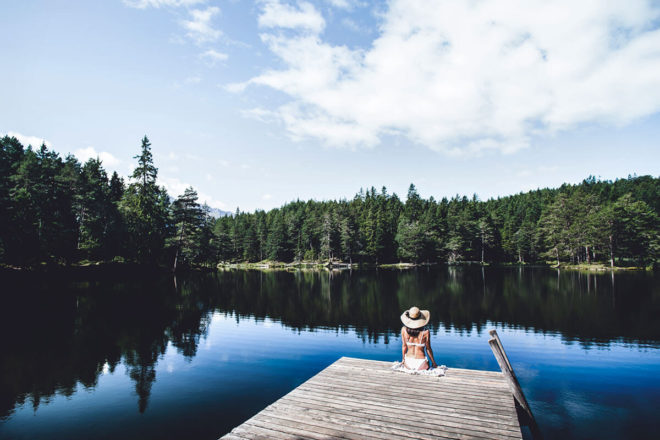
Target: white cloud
143 4
176 187
266 196
257 113
173 185
212 56
199 27
278 15
35 141
84 154
464 77
234 87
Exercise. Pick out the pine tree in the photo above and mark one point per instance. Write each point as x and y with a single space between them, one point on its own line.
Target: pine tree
189 218
145 209
115 237
635 229
326 237
145 173
93 205
250 244
410 238
486 235
414 205
348 239
12 226
277 240
207 242
555 223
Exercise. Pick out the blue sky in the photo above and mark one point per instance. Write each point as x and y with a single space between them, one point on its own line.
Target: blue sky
256 103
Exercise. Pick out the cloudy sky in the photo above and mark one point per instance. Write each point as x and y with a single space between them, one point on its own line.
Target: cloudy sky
256 103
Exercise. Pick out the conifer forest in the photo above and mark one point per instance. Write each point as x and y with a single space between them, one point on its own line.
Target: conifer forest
56 210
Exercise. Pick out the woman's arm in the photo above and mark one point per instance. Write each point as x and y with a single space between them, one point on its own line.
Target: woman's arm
429 351
404 346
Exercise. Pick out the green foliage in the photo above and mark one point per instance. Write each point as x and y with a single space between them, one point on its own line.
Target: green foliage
57 210
193 241
411 240
145 207
635 227
569 224
97 211
38 222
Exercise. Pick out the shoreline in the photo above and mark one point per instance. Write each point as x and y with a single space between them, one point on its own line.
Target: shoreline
312 265
113 267
103 268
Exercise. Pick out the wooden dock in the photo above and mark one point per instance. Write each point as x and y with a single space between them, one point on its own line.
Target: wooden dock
363 399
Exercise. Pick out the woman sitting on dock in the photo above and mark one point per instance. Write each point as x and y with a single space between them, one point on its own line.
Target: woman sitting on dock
416 339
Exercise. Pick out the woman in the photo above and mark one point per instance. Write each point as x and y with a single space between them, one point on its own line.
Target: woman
415 339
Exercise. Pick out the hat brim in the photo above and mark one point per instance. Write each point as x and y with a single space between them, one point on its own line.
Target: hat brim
416 323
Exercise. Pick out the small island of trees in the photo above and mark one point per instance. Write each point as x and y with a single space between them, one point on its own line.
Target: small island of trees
55 210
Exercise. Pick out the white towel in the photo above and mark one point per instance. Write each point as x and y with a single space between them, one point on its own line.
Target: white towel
438 371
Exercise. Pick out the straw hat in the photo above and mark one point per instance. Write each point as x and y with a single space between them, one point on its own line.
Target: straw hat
415 318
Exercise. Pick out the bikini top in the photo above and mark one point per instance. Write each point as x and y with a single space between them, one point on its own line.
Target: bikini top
415 344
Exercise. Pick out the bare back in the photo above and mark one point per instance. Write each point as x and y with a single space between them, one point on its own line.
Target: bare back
415 345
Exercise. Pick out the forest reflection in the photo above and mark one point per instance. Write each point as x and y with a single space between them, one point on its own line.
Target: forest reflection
60 334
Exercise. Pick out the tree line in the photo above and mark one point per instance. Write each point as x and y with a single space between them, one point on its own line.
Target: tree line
56 209
613 222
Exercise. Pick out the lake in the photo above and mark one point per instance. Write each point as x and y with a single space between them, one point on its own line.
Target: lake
110 356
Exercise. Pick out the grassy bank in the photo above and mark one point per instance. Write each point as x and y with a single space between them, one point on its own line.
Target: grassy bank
322 265
280 265
316 265
596 267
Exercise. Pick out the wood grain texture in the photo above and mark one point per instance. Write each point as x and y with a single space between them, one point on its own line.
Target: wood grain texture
364 399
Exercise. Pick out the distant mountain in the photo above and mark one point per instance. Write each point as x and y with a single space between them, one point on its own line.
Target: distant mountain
217 213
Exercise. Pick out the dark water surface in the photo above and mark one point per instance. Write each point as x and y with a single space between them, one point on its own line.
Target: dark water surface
130 358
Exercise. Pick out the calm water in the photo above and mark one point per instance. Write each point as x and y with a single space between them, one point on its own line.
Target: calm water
121 357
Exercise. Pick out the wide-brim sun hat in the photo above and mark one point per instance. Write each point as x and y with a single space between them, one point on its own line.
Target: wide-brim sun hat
415 318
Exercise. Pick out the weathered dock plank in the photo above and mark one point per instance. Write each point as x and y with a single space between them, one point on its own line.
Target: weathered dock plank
364 399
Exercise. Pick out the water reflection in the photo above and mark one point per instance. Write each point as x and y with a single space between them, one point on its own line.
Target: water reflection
571 303
62 334
67 335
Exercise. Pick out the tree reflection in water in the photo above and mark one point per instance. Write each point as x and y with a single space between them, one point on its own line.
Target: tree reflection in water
60 334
